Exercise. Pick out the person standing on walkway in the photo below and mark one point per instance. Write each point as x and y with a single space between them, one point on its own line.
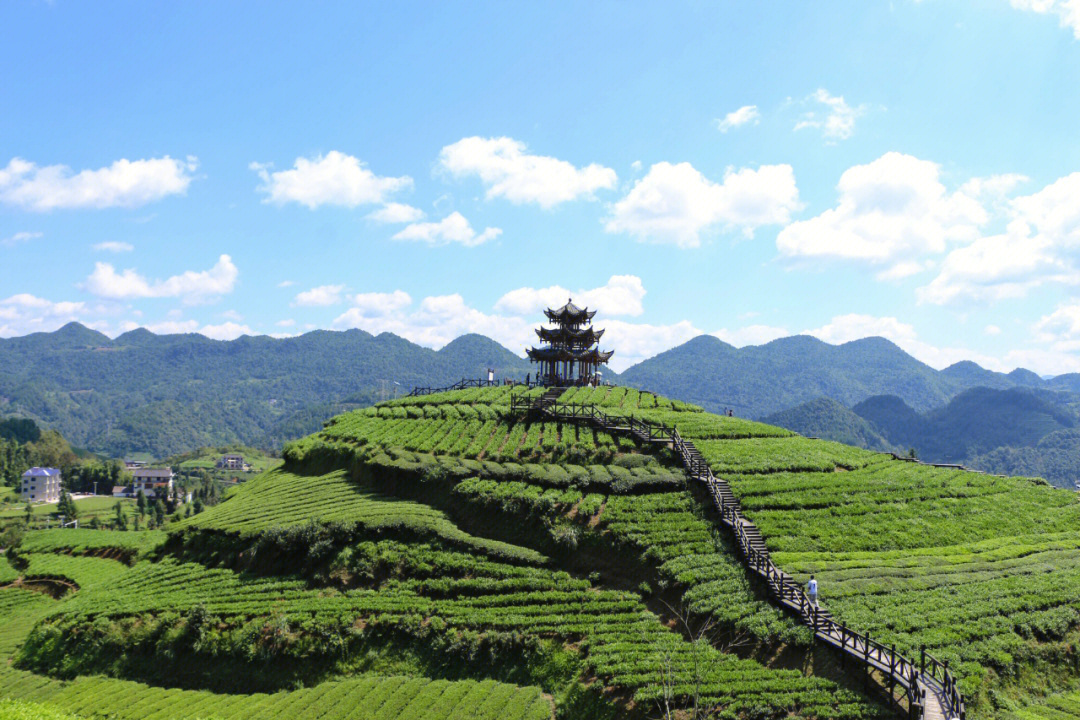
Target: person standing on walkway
811 590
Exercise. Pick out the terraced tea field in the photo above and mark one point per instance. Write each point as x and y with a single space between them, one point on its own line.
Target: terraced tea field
443 556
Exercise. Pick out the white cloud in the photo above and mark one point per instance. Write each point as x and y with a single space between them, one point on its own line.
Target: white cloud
837 122
452 228
125 183
992 330
191 286
1039 246
997 267
379 304
114 246
19 237
232 315
1043 361
286 283
508 171
331 179
676 203
226 331
993 187
636 165
168 327
437 320
751 335
738 118
25 313
1061 327
1068 11
396 213
634 342
288 322
320 296
892 209
622 295
902 269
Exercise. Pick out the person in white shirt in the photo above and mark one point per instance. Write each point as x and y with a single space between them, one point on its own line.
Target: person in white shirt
811 590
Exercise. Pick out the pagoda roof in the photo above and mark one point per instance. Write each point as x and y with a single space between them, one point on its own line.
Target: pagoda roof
551 353
588 335
569 312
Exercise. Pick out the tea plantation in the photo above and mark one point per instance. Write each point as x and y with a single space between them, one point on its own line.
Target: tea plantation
443 556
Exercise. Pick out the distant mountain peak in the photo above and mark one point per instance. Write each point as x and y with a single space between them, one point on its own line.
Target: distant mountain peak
75 333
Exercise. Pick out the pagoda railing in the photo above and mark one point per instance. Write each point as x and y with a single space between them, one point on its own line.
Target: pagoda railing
895 668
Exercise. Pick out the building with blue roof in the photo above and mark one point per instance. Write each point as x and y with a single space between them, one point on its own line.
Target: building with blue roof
40 485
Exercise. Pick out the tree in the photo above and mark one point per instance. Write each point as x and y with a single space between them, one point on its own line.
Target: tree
66 507
701 634
121 516
140 502
29 512
159 512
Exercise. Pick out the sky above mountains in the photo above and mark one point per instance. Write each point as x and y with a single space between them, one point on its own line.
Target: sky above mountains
904 169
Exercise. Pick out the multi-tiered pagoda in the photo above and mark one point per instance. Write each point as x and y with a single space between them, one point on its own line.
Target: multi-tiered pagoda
570 354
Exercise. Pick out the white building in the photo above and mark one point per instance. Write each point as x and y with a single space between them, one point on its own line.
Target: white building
154 482
40 485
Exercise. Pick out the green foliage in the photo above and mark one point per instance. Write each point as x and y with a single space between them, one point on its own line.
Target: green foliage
826 418
20 710
281 500
166 394
84 541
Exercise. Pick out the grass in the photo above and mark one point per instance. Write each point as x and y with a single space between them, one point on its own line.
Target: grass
478 528
281 499
101 506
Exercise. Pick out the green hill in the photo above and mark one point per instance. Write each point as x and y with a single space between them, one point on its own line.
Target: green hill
760 380
443 556
165 394
984 427
826 418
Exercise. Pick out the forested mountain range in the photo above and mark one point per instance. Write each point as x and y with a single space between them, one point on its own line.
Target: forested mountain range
1014 431
165 394
757 381
169 393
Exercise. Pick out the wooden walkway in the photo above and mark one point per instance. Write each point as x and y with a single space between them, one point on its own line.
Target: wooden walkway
928 689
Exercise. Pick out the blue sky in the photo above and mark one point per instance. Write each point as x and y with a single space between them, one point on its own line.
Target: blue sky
905 169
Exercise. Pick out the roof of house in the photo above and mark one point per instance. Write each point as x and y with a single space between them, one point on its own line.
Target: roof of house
152 472
119 489
41 472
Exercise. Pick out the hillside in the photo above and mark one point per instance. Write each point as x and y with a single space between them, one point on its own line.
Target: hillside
442 556
1015 431
165 394
826 418
759 381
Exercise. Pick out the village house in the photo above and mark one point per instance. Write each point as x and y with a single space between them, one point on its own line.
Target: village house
233 462
40 485
154 482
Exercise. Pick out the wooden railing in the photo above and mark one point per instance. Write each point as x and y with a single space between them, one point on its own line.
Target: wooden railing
459 385
894 667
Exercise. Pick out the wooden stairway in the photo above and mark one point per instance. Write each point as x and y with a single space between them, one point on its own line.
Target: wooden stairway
929 687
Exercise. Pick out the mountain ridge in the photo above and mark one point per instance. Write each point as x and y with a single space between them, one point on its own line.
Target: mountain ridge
166 393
